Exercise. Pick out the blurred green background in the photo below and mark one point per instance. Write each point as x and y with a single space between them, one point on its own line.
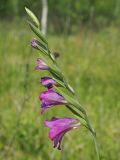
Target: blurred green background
87 35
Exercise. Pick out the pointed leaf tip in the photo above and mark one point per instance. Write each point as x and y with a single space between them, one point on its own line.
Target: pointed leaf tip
32 16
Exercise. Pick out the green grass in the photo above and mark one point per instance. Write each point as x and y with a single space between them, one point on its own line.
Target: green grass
91 63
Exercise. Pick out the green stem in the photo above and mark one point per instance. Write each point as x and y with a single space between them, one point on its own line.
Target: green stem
93 134
96 147
89 125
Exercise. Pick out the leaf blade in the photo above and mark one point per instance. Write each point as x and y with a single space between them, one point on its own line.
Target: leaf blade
33 17
37 32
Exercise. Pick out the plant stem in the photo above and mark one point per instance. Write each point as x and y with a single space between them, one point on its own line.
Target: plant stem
96 147
89 125
93 134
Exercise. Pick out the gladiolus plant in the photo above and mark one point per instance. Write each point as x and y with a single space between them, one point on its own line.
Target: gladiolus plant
58 91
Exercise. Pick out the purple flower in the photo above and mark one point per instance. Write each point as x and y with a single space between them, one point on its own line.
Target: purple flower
48 82
58 127
41 65
50 98
34 43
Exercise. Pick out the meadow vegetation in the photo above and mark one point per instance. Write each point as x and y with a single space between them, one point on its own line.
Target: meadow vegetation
91 63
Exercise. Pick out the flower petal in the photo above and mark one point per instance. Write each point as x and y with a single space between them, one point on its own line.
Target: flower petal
58 127
41 65
34 43
47 82
50 98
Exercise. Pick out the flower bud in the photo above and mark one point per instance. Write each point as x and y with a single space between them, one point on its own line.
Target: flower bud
41 65
48 82
34 43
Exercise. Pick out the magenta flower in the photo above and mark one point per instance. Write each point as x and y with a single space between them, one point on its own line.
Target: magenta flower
58 127
34 43
48 82
50 98
41 65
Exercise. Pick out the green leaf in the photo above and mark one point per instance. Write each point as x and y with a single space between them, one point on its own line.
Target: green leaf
59 82
42 45
46 50
42 50
38 33
55 71
33 17
52 57
62 84
70 100
55 74
74 111
70 88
